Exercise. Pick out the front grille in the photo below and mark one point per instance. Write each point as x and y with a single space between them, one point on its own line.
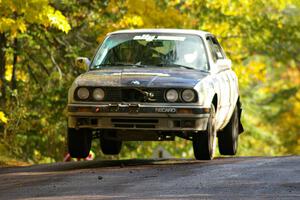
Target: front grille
124 125
112 94
115 94
119 94
132 95
134 123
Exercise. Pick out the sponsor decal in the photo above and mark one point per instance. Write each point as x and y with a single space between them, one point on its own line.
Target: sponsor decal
166 110
146 37
150 38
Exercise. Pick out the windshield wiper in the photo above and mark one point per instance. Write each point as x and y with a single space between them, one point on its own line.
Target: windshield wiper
118 64
174 65
178 65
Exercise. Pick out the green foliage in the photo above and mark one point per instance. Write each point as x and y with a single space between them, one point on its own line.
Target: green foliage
39 48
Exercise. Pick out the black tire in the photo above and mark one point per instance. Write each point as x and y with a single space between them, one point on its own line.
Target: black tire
79 142
204 142
110 147
228 137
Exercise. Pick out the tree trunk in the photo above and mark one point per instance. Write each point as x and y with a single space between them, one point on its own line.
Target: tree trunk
13 77
3 41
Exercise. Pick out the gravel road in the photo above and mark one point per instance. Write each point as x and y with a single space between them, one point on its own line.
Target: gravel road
222 178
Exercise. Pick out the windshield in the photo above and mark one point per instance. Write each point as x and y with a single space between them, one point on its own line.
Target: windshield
153 49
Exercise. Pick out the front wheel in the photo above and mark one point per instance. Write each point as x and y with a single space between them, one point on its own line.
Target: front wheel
110 146
228 137
204 142
79 142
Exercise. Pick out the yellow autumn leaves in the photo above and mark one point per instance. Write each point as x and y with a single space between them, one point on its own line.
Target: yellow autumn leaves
15 16
20 75
3 118
132 21
58 20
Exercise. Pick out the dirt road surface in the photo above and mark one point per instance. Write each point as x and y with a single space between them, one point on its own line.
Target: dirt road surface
222 178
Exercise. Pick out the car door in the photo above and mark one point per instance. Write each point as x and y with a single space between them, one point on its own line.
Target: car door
234 90
233 85
221 78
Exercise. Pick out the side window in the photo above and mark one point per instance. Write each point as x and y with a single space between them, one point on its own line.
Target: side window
218 48
215 48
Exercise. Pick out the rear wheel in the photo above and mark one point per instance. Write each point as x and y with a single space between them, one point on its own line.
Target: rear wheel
79 142
228 137
110 146
204 142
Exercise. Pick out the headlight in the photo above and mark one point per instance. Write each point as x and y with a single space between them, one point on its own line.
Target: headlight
172 95
98 94
188 95
83 93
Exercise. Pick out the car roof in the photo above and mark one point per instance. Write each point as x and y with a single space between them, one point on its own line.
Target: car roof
179 31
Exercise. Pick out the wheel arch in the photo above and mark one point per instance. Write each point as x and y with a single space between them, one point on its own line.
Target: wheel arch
239 106
215 101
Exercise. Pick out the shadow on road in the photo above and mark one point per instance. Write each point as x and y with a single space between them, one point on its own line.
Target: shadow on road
67 166
221 178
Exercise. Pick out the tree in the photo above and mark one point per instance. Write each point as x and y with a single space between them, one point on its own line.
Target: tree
37 66
259 37
16 18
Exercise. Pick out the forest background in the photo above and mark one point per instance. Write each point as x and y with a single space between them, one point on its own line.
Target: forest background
40 39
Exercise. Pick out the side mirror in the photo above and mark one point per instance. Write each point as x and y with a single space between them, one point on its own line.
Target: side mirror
82 63
224 64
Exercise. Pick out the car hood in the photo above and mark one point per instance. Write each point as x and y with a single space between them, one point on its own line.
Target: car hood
141 77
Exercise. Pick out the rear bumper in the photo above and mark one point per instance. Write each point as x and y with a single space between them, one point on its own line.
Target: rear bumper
138 117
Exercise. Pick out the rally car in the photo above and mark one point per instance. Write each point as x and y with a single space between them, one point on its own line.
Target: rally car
155 85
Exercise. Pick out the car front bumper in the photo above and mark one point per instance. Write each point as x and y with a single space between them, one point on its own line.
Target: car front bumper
138 117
